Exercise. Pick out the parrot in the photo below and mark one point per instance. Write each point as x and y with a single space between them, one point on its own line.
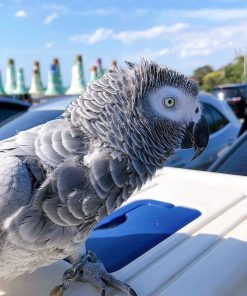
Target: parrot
59 179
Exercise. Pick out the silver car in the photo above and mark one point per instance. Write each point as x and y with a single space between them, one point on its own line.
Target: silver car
224 129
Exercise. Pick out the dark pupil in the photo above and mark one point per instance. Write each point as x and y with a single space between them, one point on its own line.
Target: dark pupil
169 101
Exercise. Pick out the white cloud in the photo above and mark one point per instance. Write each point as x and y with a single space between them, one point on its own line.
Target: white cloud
149 53
98 35
99 11
50 18
220 14
50 44
159 53
86 12
155 54
56 7
152 33
129 36
21 13
198 41
196 46
207 41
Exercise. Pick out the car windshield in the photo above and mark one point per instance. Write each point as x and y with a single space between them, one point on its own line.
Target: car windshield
235 163
26 121
229 92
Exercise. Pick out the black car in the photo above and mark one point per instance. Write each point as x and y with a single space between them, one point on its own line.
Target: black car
234 161
235 95
10 107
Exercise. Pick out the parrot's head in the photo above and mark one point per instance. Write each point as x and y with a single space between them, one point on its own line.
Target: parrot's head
146 111
168 104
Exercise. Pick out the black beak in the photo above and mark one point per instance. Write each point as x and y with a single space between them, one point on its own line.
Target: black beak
196 136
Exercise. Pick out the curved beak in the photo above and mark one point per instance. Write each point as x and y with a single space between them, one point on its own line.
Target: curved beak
196 136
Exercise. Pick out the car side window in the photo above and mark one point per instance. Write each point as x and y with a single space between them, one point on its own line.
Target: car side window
6 112
235 162
26 121
215 119
209 118
245 91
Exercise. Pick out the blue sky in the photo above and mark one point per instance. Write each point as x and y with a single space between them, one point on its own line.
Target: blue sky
181 34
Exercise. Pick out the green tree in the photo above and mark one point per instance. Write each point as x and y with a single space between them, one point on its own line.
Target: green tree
212 79
200 72
230 73
234 71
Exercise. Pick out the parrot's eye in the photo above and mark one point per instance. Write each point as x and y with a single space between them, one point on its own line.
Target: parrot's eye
169 102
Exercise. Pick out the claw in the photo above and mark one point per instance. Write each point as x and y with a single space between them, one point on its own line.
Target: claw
101 287
132 292
92 256
102 292
126 289
90 269
58 290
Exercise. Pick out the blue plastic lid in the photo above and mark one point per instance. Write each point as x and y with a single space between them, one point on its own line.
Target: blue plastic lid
135 228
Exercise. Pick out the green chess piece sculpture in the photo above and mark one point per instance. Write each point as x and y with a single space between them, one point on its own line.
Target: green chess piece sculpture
2 92
20 83
100 70
36 88
10 84
58 76
77 78
53 88
93 73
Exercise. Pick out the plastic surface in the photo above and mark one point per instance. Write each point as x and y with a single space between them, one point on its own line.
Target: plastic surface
134 229
207 257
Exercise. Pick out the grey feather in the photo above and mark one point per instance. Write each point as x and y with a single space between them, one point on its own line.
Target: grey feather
59 179
118 171
102 174
130 64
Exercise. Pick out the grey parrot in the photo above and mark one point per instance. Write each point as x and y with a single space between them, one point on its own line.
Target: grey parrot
57 180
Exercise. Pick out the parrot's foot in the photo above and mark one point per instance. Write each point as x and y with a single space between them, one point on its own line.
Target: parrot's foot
90 269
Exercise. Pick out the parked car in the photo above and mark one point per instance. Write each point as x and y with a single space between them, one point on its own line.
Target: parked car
224 128
206 257
235 95
36 115
11 107
234 161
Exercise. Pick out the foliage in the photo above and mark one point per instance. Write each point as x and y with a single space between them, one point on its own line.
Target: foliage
234 71
207 78
212 79
200 72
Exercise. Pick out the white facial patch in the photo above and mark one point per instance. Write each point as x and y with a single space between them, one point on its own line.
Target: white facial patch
185 109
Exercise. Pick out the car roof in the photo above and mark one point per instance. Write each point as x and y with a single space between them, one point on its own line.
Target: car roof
10 100
207 97
211 99
230 85
58 103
